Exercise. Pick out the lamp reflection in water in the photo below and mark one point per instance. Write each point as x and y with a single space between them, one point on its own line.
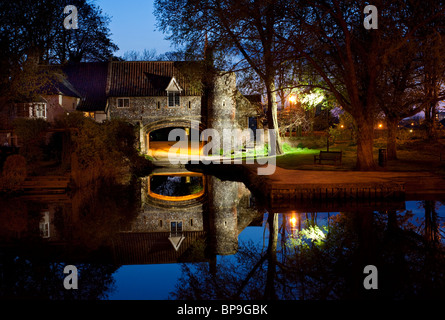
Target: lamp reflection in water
295 223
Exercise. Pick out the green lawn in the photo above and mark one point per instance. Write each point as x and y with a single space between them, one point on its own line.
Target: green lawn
412 156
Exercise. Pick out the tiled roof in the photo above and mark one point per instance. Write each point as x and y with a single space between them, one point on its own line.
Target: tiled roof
151 78
90 80
58 84
94 82
154 248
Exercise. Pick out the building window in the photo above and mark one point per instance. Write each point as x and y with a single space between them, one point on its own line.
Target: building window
159 105
123 102
89 114
44 225
37 110
190 104
176 228
173 98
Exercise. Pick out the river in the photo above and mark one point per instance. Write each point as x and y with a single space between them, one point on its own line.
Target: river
184 235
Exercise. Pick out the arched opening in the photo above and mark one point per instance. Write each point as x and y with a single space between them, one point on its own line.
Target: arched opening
177 186
183 141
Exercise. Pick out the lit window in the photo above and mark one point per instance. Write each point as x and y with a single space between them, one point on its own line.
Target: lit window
123 102
173 99
37 110
44 225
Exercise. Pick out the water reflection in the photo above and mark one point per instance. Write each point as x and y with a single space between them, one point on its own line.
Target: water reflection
39 235
313 256
184 228
228 245
176 186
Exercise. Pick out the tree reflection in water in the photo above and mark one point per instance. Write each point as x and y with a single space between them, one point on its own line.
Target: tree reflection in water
32 263
317 262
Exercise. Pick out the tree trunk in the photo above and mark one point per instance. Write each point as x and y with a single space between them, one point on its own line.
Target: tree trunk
365 143
269 291
391 138
272 119
430 115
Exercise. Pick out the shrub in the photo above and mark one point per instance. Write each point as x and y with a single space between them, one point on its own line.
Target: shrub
31 134
14 172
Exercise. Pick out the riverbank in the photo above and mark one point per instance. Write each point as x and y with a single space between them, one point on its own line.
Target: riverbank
286 185
310 184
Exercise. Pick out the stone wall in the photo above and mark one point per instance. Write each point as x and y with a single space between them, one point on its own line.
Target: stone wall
222 209
226 108
151 109
244 110
221 109
155 219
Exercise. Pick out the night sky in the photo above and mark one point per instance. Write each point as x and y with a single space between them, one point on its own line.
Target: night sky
133 26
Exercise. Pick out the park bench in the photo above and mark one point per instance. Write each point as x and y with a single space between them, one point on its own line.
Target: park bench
328 155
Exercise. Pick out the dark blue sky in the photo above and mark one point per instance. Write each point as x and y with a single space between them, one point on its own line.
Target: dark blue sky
133 25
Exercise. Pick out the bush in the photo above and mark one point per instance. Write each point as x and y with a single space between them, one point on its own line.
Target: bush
310 142
31 134
104 152
14 172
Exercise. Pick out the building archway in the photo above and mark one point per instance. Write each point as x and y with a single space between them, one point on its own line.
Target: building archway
155 136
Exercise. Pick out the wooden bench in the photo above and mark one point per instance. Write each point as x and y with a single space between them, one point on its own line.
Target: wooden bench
329 156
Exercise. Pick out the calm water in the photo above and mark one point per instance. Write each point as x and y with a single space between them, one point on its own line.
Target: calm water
188 236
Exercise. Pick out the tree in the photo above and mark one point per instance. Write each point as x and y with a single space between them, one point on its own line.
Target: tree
243 30
38 26
32 34
90 42
349 58
433 64
400 95
145 55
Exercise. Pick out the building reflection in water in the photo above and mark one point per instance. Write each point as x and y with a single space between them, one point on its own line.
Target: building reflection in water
184 217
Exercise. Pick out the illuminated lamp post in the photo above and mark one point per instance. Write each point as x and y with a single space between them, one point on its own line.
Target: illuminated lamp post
292 99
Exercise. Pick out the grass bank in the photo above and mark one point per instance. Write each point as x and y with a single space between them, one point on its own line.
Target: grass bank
413 155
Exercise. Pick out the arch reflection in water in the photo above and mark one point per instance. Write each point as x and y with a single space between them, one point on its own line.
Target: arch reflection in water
176 186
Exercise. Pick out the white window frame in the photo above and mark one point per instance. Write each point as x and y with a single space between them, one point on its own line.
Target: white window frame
176 99
44 225
123 103
173 94
38 111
